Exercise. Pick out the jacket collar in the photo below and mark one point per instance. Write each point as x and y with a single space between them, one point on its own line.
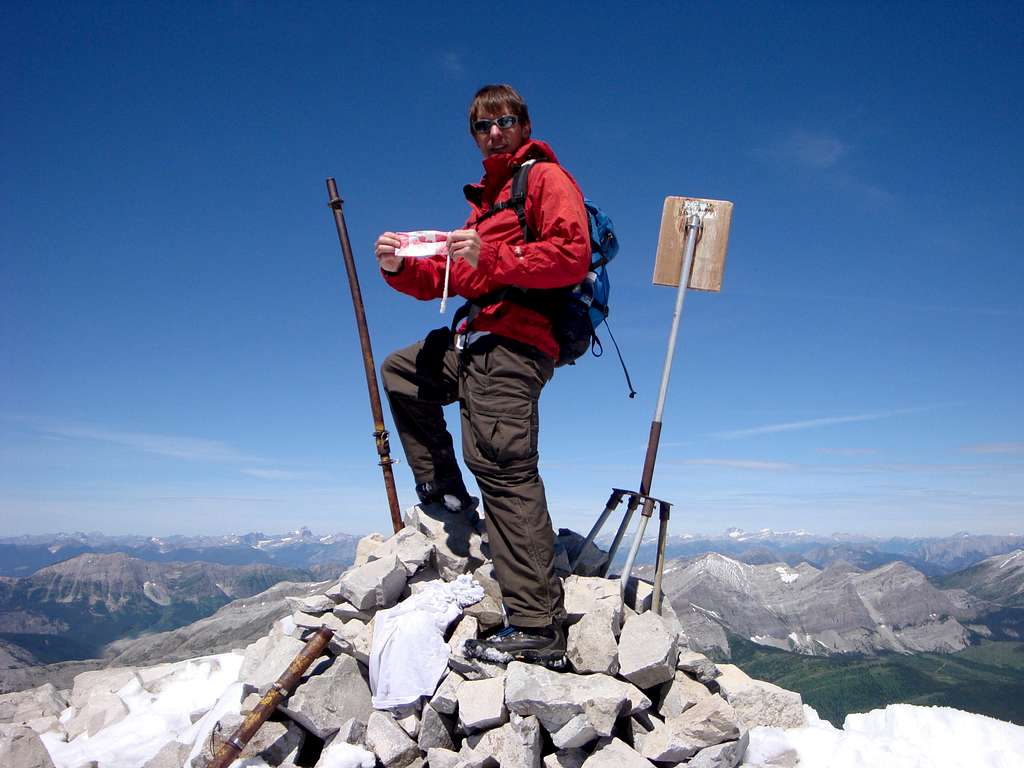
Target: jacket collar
499 169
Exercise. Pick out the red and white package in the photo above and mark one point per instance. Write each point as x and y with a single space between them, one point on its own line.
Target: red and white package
423 242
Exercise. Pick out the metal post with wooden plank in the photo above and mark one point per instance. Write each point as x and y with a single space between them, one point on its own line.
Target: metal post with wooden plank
692 244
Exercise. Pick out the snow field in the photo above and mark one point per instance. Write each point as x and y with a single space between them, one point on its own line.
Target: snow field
899 736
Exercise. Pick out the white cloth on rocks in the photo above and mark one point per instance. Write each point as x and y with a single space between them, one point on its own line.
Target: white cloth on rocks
408 654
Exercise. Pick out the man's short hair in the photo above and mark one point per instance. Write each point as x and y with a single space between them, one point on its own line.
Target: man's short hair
498 98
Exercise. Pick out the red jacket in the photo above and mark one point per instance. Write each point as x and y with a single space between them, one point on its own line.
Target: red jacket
558 256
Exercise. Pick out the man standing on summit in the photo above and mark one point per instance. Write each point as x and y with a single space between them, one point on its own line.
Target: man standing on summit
497 363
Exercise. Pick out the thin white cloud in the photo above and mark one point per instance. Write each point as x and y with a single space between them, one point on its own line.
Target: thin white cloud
452 64
175 446
848 451
1000 448
813 150
822 153
793 426
274 474
771 466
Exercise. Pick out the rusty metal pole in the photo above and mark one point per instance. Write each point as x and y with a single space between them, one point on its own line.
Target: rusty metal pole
230 749
380 434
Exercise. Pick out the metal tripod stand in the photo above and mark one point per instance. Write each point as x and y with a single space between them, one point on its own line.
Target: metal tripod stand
694 212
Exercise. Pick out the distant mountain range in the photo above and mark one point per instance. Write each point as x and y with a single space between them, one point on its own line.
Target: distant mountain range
931 556
74 608
840 609
24 555
66 596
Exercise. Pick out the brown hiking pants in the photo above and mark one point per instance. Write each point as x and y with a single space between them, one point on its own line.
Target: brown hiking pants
497 382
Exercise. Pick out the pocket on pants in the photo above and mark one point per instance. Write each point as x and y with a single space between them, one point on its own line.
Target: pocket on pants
505 436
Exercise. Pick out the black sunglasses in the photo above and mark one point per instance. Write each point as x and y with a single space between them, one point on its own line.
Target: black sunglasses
504 122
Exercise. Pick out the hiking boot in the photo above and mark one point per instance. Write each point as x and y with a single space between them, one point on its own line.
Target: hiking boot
537 645
452 497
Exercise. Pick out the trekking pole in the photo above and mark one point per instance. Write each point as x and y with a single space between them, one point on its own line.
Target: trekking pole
281 689
380 434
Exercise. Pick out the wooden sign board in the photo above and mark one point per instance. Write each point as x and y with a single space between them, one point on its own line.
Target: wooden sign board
709 259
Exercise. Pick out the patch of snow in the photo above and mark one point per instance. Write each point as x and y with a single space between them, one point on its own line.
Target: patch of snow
342 755
899 736
787 576
707 611
153 720
285 625
1014 556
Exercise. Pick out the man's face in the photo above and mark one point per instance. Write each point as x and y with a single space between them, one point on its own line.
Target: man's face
496 139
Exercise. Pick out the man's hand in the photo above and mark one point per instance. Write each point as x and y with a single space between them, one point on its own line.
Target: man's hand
465 244
385 251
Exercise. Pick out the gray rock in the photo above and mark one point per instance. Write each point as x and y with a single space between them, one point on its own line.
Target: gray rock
315 621
585 595
576 733
407 721
273 743
760 703
377 584
23 706
411 547
443 758
268 658
556 698
591 645
249 702
563 567
698 665
679 694
726 755
389 742
20 747
486 578
445 699
465 629
474 669
517 744
638 595
487 612
594 558
101 710
173 754
419 581
87 684
323 702
345 611
314 604
435 731
565 758
458 546
616 754
708 722
354 639
470 758
641 725
352 731
647 650
482 704
368 548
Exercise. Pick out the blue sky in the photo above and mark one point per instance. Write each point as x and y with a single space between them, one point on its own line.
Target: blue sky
177 345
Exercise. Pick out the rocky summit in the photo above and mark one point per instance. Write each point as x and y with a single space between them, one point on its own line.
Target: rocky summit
635 692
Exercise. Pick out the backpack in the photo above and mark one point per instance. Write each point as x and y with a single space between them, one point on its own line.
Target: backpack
575 311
